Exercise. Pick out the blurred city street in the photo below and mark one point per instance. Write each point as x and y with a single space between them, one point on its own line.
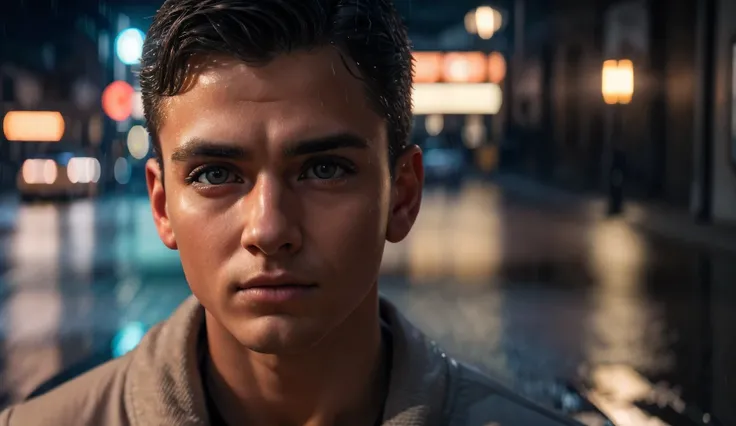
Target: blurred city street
532 292
577 238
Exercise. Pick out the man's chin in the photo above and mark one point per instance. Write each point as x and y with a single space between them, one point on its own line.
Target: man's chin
278 334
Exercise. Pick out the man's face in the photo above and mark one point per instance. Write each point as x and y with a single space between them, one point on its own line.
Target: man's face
279 171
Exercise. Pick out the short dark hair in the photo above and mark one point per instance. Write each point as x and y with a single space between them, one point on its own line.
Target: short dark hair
368 33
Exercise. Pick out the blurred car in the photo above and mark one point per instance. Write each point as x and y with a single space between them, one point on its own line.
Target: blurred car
58 176
443 164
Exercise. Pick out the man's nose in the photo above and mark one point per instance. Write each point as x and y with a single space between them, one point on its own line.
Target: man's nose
271 228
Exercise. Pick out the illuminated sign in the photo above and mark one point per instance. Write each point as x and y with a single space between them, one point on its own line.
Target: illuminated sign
496 68
33 126
467 67
427 67
457 98
458 67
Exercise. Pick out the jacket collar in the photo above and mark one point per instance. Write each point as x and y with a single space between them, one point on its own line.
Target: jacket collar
164 383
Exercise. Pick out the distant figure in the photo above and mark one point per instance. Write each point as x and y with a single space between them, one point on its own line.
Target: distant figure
283 166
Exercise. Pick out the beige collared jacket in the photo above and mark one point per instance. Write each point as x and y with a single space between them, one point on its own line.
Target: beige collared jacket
158 384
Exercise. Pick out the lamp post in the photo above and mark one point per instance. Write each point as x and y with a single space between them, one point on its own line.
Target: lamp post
617 90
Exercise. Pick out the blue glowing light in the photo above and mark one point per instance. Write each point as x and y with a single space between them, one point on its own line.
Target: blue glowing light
127 339
129 46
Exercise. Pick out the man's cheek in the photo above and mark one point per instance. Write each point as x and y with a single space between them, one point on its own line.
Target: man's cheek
357 242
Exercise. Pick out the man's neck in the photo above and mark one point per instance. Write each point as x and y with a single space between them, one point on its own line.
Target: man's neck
342 380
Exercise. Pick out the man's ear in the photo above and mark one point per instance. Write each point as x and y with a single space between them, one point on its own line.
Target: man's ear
157 195
406 194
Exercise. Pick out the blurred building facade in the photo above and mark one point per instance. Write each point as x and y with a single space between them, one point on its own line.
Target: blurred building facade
722 101
676 133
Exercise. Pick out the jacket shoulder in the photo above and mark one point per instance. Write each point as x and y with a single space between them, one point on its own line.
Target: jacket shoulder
475 399
94 398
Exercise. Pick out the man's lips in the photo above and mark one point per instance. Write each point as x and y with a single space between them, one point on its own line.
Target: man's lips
274 288
274 280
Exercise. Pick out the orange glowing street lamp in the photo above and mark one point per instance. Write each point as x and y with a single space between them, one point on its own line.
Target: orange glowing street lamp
618 81
617 88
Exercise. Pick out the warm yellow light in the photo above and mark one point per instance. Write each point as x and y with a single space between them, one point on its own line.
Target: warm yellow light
497 20
610 94
618 81
626 76
427 67
50 172
474 131
434 124
83 170
465 67
457 98
33 126
36 171
470 26
28 171
487 21
138 142
496 67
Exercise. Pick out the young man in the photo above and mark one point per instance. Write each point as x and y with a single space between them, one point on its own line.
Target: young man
282 168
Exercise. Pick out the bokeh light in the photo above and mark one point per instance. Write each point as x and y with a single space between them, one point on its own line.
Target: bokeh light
496 67
95 129
85 94
427 67
34 126
122 171
465 67
50 172
127 339
28 91
36 171
434 124
83 170
138 142
129 46
117 100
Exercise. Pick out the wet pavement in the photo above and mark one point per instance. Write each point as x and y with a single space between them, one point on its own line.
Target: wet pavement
538 296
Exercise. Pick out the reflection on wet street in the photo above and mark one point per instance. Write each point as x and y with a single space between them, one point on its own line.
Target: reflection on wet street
534 295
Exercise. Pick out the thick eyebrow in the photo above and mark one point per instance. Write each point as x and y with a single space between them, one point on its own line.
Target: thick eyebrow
325 143
198 148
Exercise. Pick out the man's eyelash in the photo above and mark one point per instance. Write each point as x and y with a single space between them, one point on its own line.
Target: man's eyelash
345 164
199 171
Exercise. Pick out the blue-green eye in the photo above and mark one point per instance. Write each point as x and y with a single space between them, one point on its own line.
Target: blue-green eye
325 170
214 176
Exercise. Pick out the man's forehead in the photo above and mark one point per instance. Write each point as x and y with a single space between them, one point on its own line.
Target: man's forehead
301 71
289 98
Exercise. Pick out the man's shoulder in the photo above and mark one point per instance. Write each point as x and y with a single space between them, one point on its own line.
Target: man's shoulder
474 399
94 398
